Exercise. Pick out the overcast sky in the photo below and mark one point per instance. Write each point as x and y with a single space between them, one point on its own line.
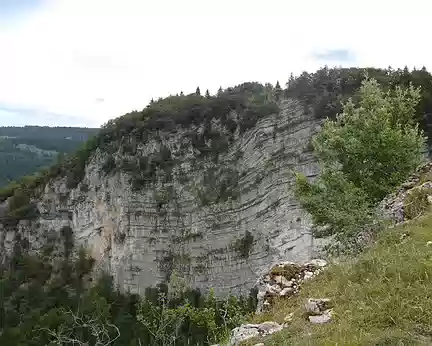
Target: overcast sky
82 62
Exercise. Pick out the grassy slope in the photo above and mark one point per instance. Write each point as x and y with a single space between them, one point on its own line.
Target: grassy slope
384 298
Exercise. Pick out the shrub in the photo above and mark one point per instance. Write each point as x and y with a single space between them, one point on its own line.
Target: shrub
244 244
370 148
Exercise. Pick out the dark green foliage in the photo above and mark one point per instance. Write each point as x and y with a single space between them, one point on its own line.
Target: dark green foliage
109 164
20 207
368 150
324 90
278 91
244 244
190 317
249 100
42 301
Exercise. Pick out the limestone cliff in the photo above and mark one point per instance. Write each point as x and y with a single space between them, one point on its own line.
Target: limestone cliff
217 223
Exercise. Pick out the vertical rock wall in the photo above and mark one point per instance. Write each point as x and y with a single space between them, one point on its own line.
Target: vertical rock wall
217 223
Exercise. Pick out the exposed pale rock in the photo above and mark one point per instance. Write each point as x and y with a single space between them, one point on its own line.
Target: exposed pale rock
243 333
325 317
248 331
282 281
308 275
318 262
286 291
316 306
273 289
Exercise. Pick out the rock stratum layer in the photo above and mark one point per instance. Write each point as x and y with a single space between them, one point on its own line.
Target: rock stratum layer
142 237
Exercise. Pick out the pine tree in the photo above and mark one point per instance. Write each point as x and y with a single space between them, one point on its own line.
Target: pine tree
220 91
291 81
198 91
278 91
181 93
207 94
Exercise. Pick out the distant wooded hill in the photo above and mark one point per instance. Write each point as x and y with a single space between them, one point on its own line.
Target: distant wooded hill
24 150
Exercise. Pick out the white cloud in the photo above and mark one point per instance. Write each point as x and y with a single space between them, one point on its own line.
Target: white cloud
71 54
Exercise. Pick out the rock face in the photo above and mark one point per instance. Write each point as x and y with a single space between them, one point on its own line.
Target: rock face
142 237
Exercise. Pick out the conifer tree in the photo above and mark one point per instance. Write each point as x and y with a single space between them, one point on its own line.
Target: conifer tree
278 91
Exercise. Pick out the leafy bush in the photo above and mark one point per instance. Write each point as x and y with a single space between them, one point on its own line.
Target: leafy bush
244 244
370 148
203 321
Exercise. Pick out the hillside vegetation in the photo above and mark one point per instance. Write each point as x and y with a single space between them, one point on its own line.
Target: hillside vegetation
25 150
381 298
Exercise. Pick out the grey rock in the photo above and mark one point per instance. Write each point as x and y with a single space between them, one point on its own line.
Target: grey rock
287 291
243 333
320 319
308 275
282 281
248 331
273 289
316 306
318 262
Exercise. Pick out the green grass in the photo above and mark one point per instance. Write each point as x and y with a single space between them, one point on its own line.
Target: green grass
382 298
416 203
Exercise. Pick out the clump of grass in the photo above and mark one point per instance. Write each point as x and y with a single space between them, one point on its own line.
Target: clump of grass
416 203
288 271
425 177
381 298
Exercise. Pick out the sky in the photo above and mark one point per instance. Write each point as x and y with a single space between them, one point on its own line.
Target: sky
83 62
